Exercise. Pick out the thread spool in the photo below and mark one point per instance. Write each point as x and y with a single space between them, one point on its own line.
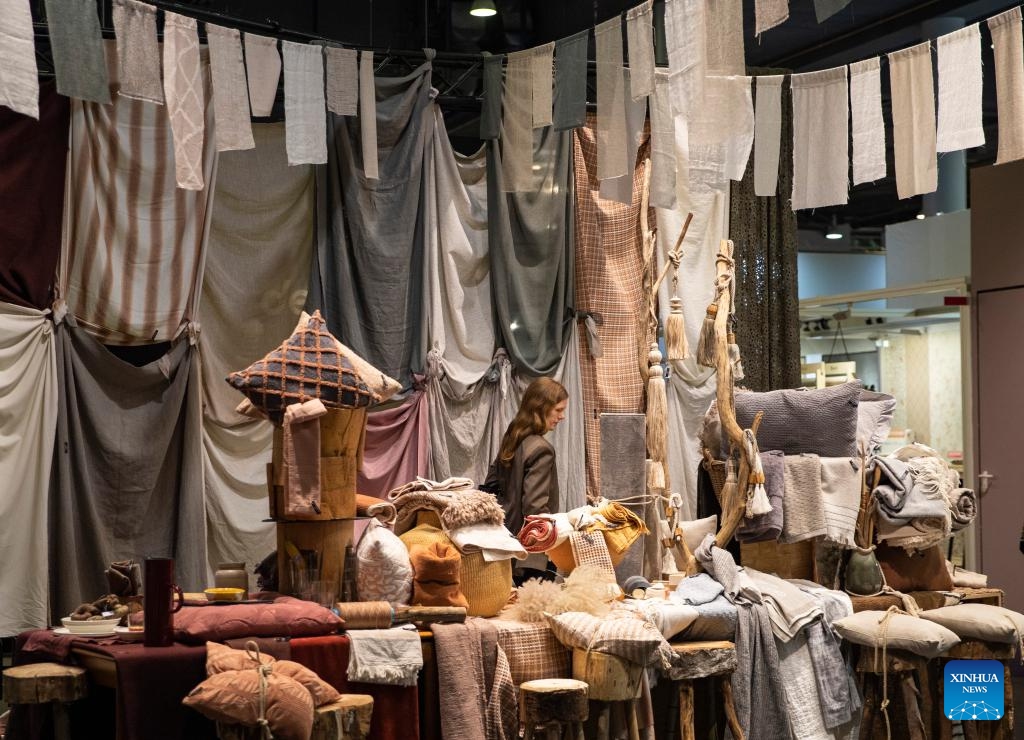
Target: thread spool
366 615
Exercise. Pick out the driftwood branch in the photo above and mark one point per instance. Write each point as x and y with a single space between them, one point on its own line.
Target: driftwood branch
675 250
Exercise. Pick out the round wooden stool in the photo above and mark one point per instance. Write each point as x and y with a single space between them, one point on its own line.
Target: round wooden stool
47 683
557 706
611 679
705 660
349 717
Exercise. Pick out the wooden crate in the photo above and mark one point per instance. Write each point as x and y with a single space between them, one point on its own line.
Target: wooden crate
785 561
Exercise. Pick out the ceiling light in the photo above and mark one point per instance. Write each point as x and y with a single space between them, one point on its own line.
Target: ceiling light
920 217
833 231
483 8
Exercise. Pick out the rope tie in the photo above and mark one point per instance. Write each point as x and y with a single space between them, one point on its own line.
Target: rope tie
263 670
884 622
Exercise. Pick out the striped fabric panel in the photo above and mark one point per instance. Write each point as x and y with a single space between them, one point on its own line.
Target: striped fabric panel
133 242
623 634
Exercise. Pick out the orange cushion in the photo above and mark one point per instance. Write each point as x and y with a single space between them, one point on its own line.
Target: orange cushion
233 697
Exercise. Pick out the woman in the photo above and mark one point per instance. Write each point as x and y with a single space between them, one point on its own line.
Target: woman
524 474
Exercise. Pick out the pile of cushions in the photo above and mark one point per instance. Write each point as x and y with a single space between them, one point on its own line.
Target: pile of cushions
284 617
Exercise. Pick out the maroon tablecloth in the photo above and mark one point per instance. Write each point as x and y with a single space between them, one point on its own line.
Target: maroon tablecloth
151 682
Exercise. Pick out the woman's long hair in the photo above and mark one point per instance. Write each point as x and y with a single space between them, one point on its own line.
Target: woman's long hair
541 396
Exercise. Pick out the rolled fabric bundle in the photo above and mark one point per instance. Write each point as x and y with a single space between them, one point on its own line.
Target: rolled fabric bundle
963 507
436 575
617 514
539 534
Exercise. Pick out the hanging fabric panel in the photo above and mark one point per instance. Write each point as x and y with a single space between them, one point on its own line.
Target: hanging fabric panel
516 129
367 277
112 418
254 287
341 70
570 81
867 128
457 279
960 83
490 109
612 147
769 14
531 245
821 149
368 116
825 9
541 71
721 132
640 37
687 53
19 76
1009 62
76 43
138 51
723 24
620 189
304 103
767 133
913 120
609 279
28 422
397 447
33 155
663 143
186 99
230 100
263 68
134 243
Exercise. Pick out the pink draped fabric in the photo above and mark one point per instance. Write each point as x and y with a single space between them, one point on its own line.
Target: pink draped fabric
396 449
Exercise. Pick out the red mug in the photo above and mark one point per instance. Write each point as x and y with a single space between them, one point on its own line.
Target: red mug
160 593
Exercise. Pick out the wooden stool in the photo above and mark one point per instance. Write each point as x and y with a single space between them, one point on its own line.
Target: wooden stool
611 679
705 660
43 683
910 700
971 649
556 705
349 717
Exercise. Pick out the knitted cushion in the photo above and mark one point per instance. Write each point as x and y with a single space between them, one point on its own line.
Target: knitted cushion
622 634
233 697
384 572
903 632
980 622
310 364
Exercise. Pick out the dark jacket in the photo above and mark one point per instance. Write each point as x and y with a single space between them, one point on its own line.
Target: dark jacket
529 485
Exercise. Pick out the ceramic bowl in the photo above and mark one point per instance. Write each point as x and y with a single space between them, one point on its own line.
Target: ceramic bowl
93 625
225 594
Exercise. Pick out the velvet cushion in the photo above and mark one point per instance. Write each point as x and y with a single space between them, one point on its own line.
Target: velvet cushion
902 632
980 622
309 364
285 617
922 571
233 697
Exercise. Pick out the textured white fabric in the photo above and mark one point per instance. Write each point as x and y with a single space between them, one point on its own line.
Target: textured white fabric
28 422
517 131
368 115
233 128
723 24
840 495
767 133
721 131
305 117
687 53
541 72
769 14
867 127
254 287
640 37
19 78
342 73
1009 62
821 151
138 50
959 61
612 149
263 70
913 120
393 656
663 144
186 99
620 189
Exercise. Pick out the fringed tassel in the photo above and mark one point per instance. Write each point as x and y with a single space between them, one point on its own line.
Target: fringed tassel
734 358
757 496
676 345
655 476
706 345
657 408
728 492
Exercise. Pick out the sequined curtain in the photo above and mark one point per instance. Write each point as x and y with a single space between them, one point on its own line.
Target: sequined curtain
764 233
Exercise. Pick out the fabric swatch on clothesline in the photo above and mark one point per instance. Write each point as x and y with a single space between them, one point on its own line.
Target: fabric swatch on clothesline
723 28
186 99
821 154
867 127
913 120
368 116
570 101
1009 62
233 125
825 9
640 38
76 43
769 14
263 68
541 72
612 154
138 51
341 69
517 129
663 144
19 76
721 133
304 118
490 109
620 189
687 54
960 86
767 133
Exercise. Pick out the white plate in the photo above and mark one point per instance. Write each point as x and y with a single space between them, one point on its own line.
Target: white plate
127 635
97 633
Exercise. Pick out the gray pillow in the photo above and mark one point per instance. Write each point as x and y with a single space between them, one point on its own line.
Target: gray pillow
874 419
821 421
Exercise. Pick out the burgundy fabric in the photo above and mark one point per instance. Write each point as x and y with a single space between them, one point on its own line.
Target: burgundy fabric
285 617
396 449
33 155
395 708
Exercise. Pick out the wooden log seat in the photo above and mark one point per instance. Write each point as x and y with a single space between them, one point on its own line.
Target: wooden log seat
556 706
47 683
611 679
696 660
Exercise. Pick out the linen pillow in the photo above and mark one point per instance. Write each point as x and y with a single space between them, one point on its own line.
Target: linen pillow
309 364
285 617
625 635
695 531
874 419
234 697
822 421
384 572
980 622
221 658
922 571
321 691
903 632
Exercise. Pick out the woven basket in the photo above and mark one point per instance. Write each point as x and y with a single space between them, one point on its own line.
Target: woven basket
486 586
717 473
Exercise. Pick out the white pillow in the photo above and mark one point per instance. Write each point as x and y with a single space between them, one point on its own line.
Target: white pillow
979 622
903 632
695 531
384 570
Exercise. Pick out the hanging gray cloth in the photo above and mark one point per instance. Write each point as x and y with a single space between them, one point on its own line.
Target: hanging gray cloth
367 277
127 477
825 9
624 478
531 237
571 81
77 45
490 110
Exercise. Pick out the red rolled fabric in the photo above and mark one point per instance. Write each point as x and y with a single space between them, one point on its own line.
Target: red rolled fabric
538 534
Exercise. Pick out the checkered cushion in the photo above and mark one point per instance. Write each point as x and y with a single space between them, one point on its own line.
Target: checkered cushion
310 364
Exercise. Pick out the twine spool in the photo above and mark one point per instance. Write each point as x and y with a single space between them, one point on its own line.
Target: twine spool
366 615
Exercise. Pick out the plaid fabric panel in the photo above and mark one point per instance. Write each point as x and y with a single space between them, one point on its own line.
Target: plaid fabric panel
609 282
309 364
591 548
533 651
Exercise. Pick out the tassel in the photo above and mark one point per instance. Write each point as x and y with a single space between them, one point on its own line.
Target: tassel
757 496
728 493
655 475
706 345
734 358
676 345
657 408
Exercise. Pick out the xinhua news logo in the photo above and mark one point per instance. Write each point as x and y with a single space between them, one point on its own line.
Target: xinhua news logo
973 689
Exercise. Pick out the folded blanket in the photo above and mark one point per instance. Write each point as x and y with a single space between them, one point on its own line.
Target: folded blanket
767 526
454 500
669 617
963 507
697 590
392 656
802 508
915 489
716 620
840 494
789 608
539 534
493 540
916 534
